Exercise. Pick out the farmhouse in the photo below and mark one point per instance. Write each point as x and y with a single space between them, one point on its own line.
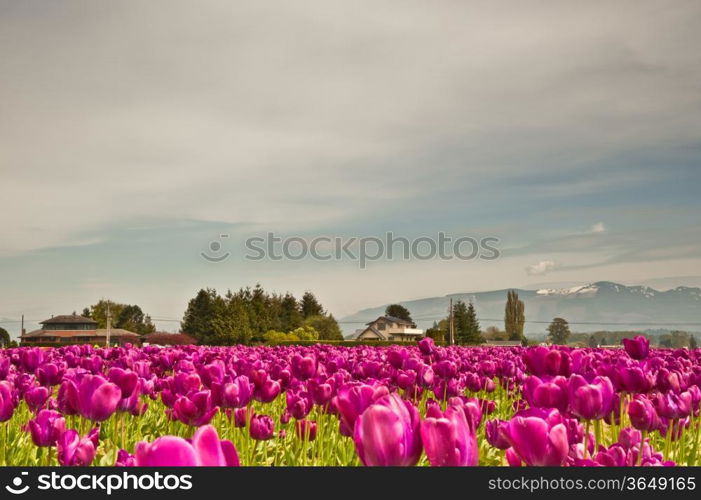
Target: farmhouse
390 328
74 329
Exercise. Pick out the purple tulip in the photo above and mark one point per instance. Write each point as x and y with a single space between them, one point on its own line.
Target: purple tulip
242 416
449 439
267 391
497 433
634 379
306 429
133 403
351 401
7 401
550 393
542 361
667 380
387 433
321 393
127 381
628 438
643 415
513 458
396 357
591 401
236 394
472 408
94 397
673 406
427 346
4 367
261 427
445 369
36 398
206 449
303 367
637 347
538 443
74 450
125 459
46 428
299 404
196 409
31 359
50 374
67 398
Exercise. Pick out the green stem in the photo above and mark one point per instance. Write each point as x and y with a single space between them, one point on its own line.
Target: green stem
586 439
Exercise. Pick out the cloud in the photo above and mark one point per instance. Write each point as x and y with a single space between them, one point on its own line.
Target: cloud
289 116
329 116
541 268
597 228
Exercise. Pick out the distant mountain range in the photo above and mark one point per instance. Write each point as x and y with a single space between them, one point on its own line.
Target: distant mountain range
603 305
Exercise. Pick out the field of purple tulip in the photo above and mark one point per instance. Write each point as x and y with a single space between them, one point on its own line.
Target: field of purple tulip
343 406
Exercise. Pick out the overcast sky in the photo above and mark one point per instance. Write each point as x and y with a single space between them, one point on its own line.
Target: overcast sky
132 134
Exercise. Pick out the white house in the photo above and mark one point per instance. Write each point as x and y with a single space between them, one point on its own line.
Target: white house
390 328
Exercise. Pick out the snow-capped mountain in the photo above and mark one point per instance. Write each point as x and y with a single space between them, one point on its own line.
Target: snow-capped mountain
602 305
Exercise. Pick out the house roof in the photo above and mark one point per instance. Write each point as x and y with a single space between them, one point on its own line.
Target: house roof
392 319
102 332
68 319
375 331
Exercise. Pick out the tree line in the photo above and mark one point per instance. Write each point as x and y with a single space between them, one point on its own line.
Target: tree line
252 314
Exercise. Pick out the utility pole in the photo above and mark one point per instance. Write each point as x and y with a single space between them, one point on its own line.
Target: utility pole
451 327
21 331
109 324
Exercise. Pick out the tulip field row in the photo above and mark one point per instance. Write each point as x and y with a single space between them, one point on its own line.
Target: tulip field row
344 406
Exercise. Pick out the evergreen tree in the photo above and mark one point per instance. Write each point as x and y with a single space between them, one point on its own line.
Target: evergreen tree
309 306
467 329
290 317
558 331
514 316
4 338
261 306
473 334
200 316
237 316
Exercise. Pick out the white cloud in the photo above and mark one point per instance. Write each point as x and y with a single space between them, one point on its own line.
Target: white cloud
597 228
542 267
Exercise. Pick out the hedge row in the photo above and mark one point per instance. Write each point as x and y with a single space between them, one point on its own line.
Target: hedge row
347 343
